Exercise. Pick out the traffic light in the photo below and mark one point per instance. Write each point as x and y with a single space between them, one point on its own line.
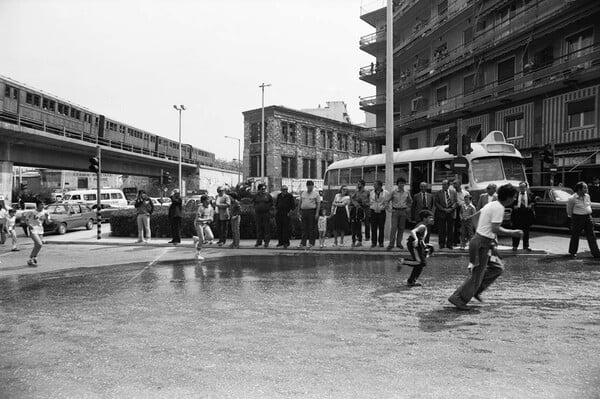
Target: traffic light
548 154
466 144
452 143
94 165
167 178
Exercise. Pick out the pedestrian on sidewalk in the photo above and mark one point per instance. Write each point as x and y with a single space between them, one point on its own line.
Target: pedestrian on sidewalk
310 206
401 203
579 211
357 216
236 217
341 215
11 222
263 202
223 204
175 214
204 216
3 217
444 202
419 251
481 248
379 200
144 208
361 198
322 226
284 205
467 211
35 221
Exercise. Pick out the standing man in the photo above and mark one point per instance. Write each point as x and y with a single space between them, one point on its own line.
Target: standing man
263 202
379 199
523 215
310 206
444 202
579 211
175 213
284 205
460 202
487 197
223 203
483 243
361 199
401 203
422 200
594 190
144 208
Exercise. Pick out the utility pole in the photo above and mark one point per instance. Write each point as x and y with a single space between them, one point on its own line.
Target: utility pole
262 133
389 108
180 108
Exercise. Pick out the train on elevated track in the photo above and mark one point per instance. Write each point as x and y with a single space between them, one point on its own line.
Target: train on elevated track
25 106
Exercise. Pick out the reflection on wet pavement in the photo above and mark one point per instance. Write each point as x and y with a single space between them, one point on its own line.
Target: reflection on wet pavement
300 325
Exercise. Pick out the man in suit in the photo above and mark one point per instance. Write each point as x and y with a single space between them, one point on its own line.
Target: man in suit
523 215
444 202
487 197
422 200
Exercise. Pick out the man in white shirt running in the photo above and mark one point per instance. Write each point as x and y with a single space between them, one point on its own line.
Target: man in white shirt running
483 273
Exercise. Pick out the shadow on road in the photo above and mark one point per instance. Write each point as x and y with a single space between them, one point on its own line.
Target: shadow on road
445 318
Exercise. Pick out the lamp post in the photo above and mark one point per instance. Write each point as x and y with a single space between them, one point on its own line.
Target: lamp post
179 109
262 133
239 157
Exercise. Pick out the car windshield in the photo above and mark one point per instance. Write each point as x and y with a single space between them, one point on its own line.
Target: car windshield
561 194
497 168
57 209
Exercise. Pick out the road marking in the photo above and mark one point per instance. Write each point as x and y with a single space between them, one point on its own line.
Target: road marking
149 265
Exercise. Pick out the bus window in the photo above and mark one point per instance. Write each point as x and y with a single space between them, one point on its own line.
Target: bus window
513 169
344 176
331 178
442 171
400 171
369 174
487 169
355 175
89 197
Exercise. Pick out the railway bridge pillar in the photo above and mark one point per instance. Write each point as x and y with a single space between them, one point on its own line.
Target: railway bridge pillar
6 182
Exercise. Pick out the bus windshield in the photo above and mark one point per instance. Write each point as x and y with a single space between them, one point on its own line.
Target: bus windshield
497 168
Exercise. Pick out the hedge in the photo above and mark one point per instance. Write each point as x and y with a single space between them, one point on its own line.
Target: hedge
124 223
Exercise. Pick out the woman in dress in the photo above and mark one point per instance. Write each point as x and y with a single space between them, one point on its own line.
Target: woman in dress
341 215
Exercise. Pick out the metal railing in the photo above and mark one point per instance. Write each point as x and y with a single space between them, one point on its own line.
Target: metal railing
371 101
372 38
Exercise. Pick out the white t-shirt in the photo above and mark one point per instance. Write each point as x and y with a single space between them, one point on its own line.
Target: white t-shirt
492 212
35 220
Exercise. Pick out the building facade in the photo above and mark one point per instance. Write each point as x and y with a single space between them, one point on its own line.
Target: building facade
530 68
299 145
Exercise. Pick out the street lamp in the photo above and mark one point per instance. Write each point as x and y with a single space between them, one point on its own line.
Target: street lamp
262 134
179 109
239 157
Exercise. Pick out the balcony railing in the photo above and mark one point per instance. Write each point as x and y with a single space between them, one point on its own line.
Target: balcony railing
372 70
566 67
372 38
372 101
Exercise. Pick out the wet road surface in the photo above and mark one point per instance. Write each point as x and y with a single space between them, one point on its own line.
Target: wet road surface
300 325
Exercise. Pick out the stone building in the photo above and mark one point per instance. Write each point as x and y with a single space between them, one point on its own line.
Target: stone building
528 68
299 145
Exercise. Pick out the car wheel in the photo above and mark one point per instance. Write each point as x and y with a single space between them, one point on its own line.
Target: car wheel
62 228
89 224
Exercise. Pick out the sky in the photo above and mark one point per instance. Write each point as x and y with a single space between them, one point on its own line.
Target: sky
132 60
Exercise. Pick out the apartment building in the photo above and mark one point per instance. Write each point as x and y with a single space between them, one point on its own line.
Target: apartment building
530 68
299 145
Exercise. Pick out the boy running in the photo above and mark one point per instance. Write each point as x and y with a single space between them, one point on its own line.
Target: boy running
419 251
35 222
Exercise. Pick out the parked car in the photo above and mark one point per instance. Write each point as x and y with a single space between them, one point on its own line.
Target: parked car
106 211
551 207
64 217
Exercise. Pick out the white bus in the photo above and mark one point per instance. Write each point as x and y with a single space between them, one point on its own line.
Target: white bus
108 196
492 160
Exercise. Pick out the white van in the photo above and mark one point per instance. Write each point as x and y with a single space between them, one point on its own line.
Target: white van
108 196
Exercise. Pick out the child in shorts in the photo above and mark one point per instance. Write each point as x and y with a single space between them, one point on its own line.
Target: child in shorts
11 222
419 251
322 227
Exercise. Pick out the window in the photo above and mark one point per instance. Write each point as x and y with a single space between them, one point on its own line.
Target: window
413 143
89 197
506 70
327 136
441 94
369 174
309 134
309 168
514 126
442 170
474 132
355 175
116 196
581 113
580 43
400 171
344 176
104 196
468 35
255 133
288 132
442 7
255 165
324 165
468 84
288 167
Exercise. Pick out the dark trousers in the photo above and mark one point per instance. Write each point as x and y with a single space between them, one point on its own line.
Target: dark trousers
377 227
516 240
482 275
282 220
309 226
585 223
445 228
356 229
176 229
418 260
223 225
263 227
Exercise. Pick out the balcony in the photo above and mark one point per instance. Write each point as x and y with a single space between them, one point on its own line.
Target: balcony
373 43
372 103
569 69
372 73
376 133
373 12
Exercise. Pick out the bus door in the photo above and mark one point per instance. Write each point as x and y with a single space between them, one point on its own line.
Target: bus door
420 172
